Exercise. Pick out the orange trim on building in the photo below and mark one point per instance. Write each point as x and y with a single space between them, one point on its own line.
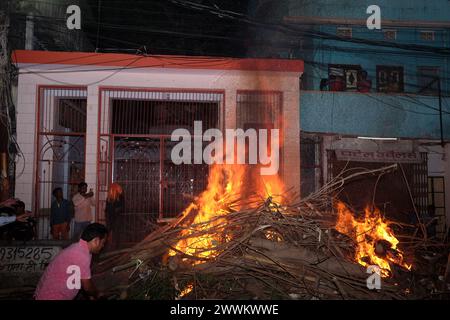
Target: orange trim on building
154 61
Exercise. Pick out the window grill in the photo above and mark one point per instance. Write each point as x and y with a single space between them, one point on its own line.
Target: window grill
436 202
259 107
427 35
60 149
390 35
135 151
344 32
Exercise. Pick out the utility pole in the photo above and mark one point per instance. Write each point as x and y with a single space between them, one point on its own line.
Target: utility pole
29 32
99 16
7 108
440 112
4 108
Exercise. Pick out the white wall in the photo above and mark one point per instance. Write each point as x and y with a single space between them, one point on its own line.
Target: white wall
26 124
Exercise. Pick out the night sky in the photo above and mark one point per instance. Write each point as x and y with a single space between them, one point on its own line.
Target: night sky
167 28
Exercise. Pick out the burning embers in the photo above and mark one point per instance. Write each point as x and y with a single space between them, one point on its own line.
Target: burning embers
375 242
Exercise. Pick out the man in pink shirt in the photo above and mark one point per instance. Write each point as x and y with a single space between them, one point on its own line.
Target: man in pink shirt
70 270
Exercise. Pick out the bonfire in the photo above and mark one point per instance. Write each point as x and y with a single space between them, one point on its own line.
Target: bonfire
233 242
369 234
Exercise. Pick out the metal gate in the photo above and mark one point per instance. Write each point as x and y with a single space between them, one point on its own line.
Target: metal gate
60 149
256 109
311 163
135 151
416 175
419 186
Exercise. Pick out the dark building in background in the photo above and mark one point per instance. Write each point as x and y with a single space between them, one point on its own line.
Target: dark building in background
164 27
30 25
41 25
369 98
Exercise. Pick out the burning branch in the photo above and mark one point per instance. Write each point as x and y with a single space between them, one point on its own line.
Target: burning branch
227 245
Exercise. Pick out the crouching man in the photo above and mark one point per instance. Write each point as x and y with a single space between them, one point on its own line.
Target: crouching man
70 270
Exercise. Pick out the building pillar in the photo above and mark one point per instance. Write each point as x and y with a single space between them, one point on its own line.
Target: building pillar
291 140
29 32
91 141
446 161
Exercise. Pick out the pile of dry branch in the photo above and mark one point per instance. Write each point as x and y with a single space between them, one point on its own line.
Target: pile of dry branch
272 251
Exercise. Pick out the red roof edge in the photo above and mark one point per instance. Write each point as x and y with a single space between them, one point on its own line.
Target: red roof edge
154 61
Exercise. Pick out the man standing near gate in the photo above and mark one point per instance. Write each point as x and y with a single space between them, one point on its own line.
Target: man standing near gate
60 216
82 201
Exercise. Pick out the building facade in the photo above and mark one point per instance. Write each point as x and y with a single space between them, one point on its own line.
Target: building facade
105 118
371 91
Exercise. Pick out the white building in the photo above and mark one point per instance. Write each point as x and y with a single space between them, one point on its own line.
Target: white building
108 117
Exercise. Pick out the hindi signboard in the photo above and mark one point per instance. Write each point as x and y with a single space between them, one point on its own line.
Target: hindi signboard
26 259
378 156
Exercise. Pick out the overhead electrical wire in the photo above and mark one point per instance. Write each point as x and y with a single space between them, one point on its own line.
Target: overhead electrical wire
243 40
406 73
313 34
276 27
412 85
231 38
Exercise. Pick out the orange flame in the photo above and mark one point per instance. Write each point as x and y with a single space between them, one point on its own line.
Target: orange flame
114 192
186 291
366 233
226 183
